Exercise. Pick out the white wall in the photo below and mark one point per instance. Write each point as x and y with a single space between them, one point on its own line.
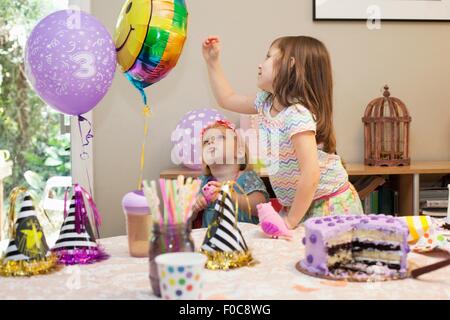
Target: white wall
413 58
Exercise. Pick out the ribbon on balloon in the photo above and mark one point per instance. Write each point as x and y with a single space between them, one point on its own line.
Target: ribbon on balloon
147 114
85 140
158 29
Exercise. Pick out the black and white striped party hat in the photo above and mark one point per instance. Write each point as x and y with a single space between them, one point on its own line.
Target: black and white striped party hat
69 239
224 243
27 252
29 240
76 243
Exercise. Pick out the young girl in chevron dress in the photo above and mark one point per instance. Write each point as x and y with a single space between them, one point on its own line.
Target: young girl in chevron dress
295 115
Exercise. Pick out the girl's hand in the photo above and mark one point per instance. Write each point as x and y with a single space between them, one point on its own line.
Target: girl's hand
213 191
211 49
226 97
215 184
200 204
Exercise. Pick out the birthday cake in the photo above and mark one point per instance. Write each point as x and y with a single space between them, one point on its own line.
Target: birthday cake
352 246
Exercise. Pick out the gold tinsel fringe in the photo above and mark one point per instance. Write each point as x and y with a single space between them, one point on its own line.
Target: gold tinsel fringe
24 268
228 260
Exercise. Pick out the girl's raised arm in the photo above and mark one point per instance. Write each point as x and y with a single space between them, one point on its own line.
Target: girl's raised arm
223 92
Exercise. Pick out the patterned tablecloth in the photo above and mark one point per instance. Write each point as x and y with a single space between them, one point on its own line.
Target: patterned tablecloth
274 277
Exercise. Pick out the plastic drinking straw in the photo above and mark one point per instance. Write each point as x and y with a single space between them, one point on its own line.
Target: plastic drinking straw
175 221
193 189
188 200
182 199
164 193
150 199
179 202
155 202
187 197
176 199
189 192
180 181
162 184
158 209
173 197
170 201
169 211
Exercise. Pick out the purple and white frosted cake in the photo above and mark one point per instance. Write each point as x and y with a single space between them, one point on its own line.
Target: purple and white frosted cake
363 245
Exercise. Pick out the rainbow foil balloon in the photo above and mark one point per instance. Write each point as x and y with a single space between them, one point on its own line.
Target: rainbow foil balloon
149 39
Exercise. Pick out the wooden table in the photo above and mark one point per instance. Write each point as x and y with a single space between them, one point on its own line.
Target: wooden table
273 277
407 178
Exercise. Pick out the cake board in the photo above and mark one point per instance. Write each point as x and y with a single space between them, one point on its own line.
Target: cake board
354 276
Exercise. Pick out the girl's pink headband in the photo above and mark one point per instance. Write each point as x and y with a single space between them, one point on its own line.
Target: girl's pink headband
221 122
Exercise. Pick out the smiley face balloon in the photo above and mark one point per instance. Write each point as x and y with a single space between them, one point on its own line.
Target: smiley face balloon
149 39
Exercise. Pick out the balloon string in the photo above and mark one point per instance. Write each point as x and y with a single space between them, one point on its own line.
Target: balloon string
89 134
146 113
143 95
84 155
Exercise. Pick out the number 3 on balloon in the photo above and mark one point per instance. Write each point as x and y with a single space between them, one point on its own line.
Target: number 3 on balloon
86 63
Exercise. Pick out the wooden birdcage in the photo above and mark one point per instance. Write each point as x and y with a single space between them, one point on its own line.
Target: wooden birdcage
386 132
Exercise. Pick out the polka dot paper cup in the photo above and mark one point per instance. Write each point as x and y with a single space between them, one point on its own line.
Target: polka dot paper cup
180 275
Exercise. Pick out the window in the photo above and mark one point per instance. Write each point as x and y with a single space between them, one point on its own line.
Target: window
31 131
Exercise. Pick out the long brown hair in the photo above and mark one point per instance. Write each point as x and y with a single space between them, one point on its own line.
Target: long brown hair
306 79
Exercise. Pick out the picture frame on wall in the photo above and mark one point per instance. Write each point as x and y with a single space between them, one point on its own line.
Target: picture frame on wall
383 10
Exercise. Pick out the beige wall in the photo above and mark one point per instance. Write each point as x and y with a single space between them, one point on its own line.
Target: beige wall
413 58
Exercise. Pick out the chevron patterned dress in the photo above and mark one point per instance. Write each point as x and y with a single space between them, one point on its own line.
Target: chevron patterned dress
275 134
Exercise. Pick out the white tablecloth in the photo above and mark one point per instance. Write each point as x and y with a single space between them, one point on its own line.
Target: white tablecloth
274 277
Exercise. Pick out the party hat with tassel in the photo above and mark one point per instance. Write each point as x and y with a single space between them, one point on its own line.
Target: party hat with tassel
77 243
27 253
224 244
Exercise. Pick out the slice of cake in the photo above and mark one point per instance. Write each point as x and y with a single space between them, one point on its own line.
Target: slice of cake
370 244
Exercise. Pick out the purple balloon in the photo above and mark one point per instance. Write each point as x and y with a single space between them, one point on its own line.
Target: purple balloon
70 60
186 137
